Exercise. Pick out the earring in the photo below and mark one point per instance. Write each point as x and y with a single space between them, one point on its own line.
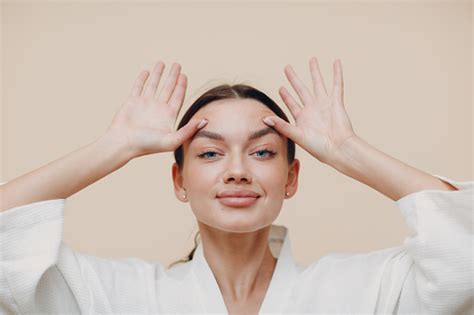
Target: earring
287 193
184 195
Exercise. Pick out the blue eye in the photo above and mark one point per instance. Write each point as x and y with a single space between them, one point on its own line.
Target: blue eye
205 155
260 153
267 153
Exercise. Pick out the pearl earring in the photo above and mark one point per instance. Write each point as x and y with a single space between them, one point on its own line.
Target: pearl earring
287 193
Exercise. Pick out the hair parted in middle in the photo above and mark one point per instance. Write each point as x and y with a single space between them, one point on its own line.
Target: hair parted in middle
231 92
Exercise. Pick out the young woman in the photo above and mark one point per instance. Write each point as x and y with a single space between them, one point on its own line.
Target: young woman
235 165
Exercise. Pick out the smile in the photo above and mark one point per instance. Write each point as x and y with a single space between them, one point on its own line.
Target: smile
238 202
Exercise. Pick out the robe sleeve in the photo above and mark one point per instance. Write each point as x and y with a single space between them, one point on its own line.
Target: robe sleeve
439 250
41 274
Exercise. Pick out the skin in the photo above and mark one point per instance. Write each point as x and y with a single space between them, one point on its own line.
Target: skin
323 128
235 240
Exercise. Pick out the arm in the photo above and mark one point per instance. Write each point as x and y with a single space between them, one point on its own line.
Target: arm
67 175
38 273
144 125
324 130
432 272
382 172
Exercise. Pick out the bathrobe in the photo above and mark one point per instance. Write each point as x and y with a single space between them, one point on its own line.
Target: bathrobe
430 273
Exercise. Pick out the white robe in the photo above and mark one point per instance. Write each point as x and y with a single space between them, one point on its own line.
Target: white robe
431 273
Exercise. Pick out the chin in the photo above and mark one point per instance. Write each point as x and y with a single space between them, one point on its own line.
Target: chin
239 228
236 220
237 223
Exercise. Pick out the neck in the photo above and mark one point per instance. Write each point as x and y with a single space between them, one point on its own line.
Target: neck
242 263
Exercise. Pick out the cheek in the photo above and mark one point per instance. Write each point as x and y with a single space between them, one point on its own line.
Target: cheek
201 178
271 181
271 176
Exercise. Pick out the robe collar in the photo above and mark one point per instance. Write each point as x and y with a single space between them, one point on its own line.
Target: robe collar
276 297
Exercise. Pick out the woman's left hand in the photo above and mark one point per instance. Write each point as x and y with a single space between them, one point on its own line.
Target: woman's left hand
322 124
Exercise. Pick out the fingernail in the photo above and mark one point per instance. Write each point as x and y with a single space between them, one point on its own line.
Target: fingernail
202 124
268 121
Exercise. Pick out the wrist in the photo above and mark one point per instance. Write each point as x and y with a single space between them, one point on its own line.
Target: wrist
113 143
347 154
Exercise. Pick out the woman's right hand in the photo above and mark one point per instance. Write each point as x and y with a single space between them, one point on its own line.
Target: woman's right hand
146 120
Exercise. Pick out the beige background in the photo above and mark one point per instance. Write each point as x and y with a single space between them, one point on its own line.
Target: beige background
67 66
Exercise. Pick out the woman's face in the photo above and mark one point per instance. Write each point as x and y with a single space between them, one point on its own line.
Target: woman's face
236 154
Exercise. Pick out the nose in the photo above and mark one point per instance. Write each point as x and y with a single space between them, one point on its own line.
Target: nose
237 172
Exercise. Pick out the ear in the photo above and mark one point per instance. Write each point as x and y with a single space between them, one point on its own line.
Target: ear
179 190
292 180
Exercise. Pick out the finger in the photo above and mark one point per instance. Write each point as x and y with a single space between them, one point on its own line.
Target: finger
187 131
290 102
303 93
170 83
179 93
338 88
318 82
284 128
139 82
154 79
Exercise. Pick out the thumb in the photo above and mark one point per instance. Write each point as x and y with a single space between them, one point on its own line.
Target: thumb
283 127
187 131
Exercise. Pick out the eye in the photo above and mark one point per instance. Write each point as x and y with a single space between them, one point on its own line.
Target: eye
208 154
265 153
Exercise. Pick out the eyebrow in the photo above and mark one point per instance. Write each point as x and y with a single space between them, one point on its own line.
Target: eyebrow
213 135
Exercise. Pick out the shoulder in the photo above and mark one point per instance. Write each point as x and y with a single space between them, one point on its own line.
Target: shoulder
179 271
356 266
109 273
351 277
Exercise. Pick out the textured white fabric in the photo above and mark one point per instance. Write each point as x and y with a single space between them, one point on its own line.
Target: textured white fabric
431 272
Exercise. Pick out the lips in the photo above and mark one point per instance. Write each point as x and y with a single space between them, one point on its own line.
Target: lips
237 193
237 198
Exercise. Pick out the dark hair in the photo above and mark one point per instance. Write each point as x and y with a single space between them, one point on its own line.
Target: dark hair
221 92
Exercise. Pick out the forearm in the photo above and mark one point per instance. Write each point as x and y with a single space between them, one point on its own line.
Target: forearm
389 176
67 175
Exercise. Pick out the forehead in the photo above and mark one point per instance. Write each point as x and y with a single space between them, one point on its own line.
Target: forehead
234 120
242 109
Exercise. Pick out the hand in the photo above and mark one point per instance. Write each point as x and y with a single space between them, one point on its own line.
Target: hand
145 121
322 124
